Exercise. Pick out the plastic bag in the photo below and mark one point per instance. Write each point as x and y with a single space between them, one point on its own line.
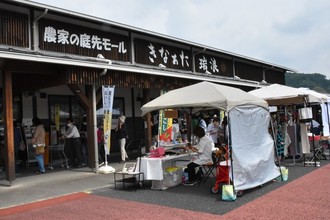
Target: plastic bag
228 193
285 174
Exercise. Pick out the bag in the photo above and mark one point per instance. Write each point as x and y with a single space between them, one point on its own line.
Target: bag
228 193
285 174
22 146
158 152
40 149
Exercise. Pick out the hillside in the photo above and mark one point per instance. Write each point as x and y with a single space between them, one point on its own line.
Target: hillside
315 81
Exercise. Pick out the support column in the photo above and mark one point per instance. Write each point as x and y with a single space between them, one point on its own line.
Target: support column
9 128
148 135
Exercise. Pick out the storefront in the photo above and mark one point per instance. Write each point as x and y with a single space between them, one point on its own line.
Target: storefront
53 63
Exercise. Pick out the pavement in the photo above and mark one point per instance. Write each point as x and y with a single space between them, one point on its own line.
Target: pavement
30 188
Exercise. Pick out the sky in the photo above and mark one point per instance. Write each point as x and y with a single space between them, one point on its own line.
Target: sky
294 34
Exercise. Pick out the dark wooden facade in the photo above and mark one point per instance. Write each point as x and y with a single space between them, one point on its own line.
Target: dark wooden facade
42 46
61 35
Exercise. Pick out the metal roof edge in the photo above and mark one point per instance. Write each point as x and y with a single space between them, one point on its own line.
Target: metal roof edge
107 64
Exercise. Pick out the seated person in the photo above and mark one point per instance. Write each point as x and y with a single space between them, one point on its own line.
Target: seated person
204 155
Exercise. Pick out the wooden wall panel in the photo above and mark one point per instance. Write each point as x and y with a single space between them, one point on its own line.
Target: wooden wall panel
14 29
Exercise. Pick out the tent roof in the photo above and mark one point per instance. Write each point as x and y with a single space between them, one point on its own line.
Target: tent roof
277 94
314 97
203 95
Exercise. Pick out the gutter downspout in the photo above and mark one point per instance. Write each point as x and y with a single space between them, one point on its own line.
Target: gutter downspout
35 30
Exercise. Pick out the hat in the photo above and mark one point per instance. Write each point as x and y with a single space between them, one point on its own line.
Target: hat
122 118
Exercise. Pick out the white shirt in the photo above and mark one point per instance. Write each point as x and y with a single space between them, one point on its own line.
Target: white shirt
213 131
72 132
204 154
202 124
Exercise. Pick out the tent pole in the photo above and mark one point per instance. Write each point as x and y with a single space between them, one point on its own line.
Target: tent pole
230 151
274 140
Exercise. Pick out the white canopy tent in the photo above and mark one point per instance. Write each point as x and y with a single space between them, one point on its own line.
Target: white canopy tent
248 120
324 101
277 94
313 96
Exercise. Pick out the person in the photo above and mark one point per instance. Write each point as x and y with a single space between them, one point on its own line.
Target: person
201 122
38 140
183 129
73 143
83 136
224 132
17 142
213 131
121 136
314 127
154 129
100 143
204 155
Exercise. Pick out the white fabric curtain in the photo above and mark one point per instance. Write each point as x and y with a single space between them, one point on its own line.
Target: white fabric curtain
252 147
325 108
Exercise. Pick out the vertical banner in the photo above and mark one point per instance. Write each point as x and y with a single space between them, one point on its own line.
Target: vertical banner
165 126
107 96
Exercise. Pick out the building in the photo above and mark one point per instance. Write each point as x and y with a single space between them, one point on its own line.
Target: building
53 63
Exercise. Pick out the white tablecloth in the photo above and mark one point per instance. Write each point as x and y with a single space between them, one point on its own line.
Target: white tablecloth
153 168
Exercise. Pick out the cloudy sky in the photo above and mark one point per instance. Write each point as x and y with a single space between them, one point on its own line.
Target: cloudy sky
294 33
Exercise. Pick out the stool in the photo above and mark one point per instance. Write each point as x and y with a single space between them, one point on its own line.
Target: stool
136 179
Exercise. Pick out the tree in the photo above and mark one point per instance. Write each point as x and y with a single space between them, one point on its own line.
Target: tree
313 81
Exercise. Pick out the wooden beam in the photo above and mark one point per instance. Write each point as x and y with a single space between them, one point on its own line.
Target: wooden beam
75 89
9 127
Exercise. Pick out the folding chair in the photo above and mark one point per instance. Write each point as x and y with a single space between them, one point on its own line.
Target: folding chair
313 158
209 167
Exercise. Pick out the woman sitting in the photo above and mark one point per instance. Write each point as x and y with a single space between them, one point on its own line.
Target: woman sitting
204 155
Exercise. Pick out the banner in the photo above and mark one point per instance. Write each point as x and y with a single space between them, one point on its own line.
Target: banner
165 126
107 96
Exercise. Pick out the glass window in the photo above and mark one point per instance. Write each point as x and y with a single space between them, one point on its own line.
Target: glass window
62 108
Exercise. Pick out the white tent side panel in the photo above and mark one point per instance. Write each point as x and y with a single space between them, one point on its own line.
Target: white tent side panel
252 147
325 118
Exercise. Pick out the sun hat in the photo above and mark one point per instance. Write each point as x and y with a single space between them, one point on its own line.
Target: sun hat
122 118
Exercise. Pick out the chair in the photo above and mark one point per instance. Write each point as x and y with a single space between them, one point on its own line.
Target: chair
209 167
313 158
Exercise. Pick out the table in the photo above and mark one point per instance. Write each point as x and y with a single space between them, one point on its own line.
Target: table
172 145
154 169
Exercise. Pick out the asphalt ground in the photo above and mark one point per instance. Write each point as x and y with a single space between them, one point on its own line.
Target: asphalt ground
29 187
199 197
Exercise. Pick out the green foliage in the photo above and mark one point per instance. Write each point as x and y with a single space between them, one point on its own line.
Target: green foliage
314 81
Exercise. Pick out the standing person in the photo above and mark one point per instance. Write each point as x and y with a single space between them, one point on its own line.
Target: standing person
201 122
73 143
83 136
100 143
204 155
213 131
224 132
17 142
121 136
154 129
38 141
